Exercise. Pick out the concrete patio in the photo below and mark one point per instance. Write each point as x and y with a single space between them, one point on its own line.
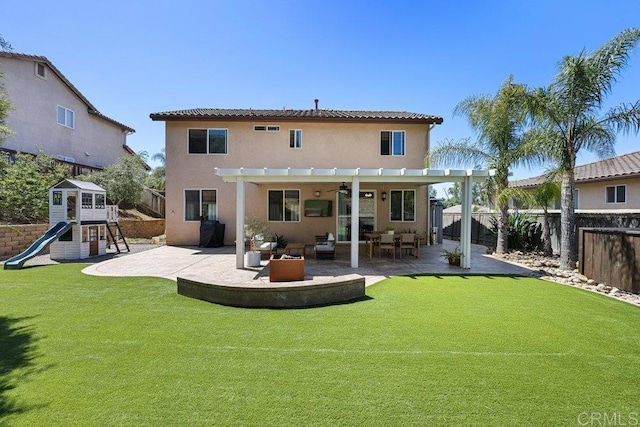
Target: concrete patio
219 265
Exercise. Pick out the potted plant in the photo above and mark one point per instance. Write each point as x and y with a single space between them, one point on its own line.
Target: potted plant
256 231
452 256
390 229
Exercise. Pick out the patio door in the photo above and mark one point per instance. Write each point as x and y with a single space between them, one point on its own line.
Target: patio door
367 214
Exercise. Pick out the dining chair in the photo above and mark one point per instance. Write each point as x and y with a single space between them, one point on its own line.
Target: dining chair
408 243
387 243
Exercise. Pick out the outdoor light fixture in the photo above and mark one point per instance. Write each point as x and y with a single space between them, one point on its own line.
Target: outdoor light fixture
383 196
317 193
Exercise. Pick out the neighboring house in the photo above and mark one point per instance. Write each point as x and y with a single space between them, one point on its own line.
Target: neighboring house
50 114
610 184
298 169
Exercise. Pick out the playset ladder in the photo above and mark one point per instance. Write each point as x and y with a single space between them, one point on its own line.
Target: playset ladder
118 233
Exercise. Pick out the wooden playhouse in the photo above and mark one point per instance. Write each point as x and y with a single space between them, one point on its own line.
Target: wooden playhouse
95 224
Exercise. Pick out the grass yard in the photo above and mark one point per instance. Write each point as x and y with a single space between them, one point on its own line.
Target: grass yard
430 350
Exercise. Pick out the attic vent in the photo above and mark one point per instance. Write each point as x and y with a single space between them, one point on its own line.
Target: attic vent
41 70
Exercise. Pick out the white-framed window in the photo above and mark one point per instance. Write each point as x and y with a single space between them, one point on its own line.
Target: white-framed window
266 128
207 141
66 117
616 194
40 70
200 204
392 143
87 200
403 205
284 205
576 200
295 138
100 202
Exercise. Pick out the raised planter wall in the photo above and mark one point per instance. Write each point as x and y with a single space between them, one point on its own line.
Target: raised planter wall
16 238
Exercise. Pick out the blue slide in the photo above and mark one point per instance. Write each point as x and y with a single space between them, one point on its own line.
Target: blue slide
38 246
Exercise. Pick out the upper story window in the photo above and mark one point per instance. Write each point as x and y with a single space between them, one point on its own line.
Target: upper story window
41 70
617 194
208 141
403 205
266 128
295 138
284 205
66 117
392 143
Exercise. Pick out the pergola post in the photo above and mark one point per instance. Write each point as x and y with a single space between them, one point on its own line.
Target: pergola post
240 204
355 220
465 229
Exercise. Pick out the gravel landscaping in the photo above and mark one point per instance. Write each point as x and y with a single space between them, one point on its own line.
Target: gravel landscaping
547 268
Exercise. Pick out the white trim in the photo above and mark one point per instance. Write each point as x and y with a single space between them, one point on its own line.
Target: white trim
207 146
184 202
300 208
404 143
267 128
615 194
66 116
415 204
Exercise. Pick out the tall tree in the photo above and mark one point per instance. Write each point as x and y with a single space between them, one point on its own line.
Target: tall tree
5 104
498 121
123 180
568 119
545 194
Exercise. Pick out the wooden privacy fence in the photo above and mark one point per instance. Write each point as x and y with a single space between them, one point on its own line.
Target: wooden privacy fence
480 228
611 256
481 224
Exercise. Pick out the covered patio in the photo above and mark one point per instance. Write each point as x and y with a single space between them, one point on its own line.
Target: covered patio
356 176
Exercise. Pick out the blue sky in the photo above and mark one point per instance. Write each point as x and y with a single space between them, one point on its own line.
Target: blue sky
132 58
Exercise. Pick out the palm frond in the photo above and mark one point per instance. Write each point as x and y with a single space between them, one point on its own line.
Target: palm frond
457 153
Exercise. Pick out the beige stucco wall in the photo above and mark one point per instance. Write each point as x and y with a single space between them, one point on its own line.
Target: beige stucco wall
324 145
592 195
34 119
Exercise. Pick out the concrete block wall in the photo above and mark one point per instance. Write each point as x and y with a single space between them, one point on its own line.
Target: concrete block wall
141 229
16 238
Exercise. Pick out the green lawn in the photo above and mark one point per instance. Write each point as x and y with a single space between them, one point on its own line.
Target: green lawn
82 350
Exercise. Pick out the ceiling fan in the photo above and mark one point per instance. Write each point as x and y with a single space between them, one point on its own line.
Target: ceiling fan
344 189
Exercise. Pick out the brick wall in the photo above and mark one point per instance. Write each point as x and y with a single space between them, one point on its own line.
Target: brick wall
16 238
146 229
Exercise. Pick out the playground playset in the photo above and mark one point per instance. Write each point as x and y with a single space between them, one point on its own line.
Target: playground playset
83 225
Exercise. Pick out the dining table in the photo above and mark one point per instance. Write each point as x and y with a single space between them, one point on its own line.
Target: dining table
372 240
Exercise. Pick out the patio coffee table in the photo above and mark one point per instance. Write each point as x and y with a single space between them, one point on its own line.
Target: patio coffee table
298 248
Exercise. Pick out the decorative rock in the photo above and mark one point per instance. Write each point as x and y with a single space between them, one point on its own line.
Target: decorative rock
590 282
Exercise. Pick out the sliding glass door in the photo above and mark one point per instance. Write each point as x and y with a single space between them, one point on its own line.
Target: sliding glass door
367 214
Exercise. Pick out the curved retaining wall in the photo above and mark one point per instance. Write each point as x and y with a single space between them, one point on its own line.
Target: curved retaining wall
306 293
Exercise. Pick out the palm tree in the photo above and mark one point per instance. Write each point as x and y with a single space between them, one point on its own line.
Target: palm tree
567 119
498 121
545 194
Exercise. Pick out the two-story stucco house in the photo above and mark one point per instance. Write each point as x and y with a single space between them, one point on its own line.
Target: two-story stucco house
609 184
50 114
307 172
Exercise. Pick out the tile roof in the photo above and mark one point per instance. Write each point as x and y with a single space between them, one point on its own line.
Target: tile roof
613 167
289 114
91 108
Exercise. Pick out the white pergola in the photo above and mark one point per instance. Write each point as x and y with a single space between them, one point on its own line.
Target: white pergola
355 176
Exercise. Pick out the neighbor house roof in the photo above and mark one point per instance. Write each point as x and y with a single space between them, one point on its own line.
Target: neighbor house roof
613 167
289 114
90 107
